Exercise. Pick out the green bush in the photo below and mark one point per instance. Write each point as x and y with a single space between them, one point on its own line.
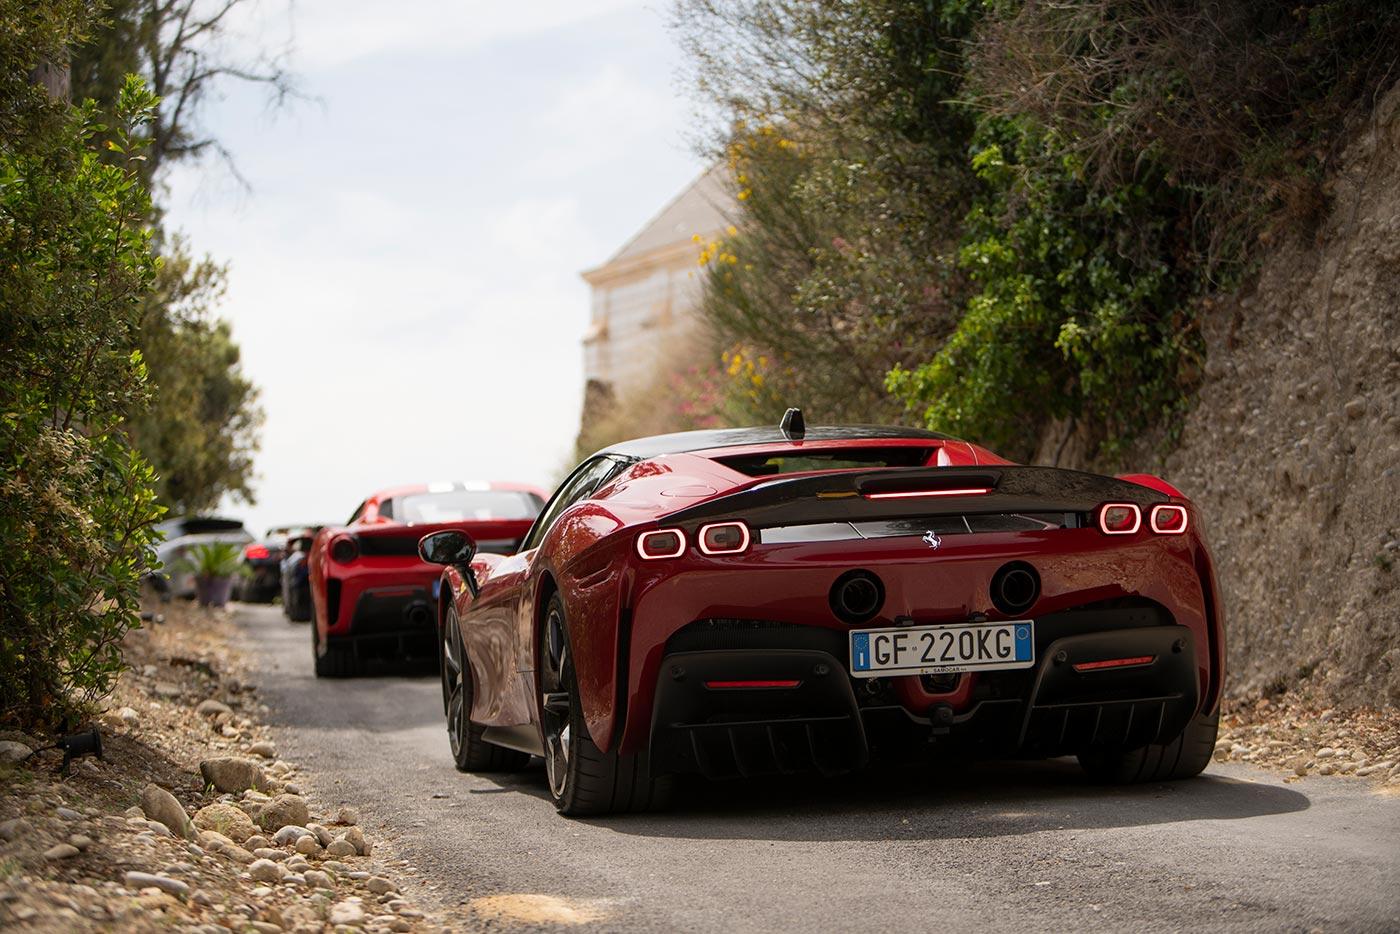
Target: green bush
76 506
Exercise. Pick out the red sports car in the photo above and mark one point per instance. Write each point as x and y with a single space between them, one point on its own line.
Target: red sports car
370 592
751 601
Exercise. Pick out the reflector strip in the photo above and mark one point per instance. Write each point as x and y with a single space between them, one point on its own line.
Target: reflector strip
1115 663
970 491
752 684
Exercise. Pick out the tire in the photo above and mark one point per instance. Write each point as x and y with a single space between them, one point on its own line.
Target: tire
470 753
298 605
1184 757
338 662
583 780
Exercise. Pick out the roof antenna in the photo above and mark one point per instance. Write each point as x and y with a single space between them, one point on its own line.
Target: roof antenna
792 425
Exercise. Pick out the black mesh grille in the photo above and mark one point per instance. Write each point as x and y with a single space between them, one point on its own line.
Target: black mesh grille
389 546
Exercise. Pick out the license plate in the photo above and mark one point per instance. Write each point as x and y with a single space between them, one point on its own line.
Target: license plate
928 650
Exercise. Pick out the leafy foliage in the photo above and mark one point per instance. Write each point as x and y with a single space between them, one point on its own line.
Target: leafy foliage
76 504
200 429
847 164
1010 209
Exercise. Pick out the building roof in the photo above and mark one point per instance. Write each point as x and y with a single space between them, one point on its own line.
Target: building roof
702 208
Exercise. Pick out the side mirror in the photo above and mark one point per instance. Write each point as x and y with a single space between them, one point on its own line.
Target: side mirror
452 548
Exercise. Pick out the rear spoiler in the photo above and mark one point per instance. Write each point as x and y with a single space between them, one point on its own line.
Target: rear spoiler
859 495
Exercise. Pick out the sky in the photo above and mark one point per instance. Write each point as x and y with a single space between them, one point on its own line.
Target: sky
404 260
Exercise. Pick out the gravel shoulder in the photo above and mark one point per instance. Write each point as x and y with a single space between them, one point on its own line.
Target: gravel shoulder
144 839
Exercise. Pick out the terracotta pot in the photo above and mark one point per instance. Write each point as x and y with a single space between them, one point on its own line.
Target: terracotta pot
213 591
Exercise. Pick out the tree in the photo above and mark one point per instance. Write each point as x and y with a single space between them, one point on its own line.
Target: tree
201 430
76 504
848 163
178 47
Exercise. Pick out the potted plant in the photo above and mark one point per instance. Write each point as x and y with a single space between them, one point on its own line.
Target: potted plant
216 565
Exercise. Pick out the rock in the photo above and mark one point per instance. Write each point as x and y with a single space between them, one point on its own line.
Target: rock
319 880
145 880
323 834
289 834
80 841
359 875
291 789
257 842
348 816
347 913
1326 752
161 806
61 851
341 848
1355 408
154 826
283 810
231 773
265 870
227 820
308 845
167 690
134 811
129 717
1299 765
13 753
268 852
356 838
400 925
264 749
15 828
212 708
264 927
68 814
381 886
1223 746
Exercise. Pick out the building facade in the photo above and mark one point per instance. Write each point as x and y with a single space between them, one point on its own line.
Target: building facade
645 298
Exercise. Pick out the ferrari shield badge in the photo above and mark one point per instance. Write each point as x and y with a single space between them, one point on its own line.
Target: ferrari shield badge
932 540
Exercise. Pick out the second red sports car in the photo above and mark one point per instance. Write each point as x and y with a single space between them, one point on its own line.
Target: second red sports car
371 594
775 600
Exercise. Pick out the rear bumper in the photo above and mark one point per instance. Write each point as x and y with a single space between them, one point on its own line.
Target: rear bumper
384 611
745 712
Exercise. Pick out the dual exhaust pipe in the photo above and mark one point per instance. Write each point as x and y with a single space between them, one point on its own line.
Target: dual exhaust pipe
858 595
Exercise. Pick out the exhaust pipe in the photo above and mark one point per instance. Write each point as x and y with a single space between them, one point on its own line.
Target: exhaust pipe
857 596
1015 588
416 614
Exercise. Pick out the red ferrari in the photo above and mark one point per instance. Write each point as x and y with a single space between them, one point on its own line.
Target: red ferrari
750 601
371 594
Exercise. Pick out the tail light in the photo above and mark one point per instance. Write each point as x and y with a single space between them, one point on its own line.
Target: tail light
345 550
255 552
661 543
724 538
1119 518
1168 519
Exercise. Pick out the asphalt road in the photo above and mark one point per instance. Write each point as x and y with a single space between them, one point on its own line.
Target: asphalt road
1002 847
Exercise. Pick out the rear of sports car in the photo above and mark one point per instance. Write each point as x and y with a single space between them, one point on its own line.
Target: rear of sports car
813 622
379 596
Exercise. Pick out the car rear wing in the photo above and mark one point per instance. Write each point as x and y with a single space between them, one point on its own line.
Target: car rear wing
858 495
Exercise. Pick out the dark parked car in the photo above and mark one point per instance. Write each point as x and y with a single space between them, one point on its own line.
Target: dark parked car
296 583
262 567
779 600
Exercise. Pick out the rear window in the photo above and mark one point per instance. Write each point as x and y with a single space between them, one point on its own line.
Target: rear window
466 505
772 465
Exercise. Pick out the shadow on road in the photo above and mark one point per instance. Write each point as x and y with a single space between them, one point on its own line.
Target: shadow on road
977 801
